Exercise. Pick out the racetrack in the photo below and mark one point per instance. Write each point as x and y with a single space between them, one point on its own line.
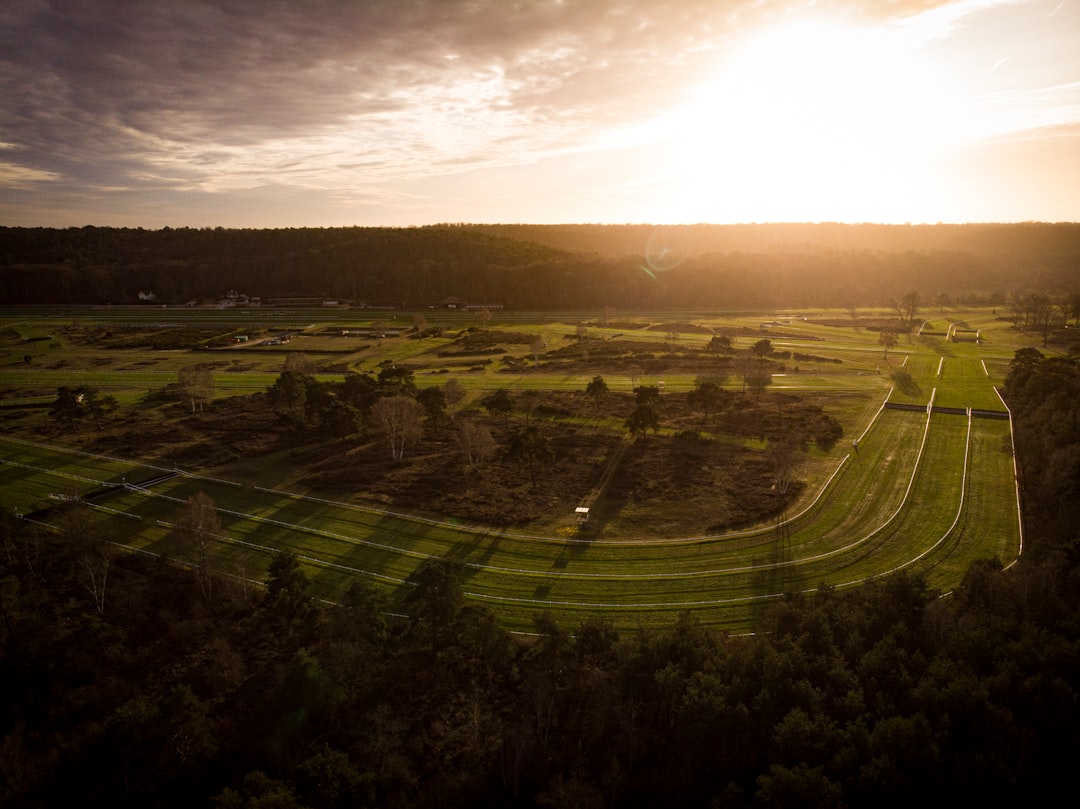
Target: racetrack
924 491
921 493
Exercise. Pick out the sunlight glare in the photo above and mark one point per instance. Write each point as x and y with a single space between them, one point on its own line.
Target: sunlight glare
812 122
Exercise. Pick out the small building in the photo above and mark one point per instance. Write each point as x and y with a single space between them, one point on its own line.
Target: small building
582 513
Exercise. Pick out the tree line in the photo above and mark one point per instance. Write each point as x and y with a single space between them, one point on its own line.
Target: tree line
531 267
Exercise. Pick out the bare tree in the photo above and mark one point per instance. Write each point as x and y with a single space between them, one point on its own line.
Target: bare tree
476 443
484 316
94 552
887 340
784 459
401 419
453 392
197 528
300 363
197 384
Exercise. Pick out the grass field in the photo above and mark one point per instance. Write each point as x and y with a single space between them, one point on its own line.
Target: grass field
923 492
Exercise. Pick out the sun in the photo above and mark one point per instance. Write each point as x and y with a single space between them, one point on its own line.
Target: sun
811 122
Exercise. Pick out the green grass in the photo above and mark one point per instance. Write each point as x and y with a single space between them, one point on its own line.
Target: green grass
902 501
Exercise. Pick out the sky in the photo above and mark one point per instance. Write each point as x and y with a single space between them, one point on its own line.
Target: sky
321 113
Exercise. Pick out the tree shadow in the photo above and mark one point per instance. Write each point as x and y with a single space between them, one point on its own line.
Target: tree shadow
904 381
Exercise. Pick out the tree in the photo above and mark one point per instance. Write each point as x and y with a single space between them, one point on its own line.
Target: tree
647 395
499 403
908 306
287 586
196 382
359 390
453 393
762 349
299 363
400 418
99 406
529 446
758 380
476 443
68 406
74 404
597 389
433 400
537 343
94 554
644 417
484 316
784 460
887 340
197 527
396 381
719 344
339 418
705 397
289 397
435 600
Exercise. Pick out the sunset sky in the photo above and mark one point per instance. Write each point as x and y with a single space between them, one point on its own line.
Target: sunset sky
274 113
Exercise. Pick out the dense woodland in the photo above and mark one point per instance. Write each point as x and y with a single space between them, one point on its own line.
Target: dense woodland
544 267
127 684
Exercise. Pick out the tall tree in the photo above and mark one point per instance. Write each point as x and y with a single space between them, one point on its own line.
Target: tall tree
197 529
68 406
499 403
596 390
435 601
644 417
287 587
289 397
396 381
719 344
887 340
529 446
705 398
433 400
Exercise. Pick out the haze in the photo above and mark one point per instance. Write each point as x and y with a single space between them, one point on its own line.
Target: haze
239 113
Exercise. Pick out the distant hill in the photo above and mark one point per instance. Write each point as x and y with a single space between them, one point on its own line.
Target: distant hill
544 266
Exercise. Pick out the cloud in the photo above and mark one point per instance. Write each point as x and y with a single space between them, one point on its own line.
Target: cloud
222 96
396 85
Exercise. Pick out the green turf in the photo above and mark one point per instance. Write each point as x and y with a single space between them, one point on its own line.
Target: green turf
924 493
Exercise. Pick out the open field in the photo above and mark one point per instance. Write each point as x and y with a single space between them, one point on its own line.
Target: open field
925 492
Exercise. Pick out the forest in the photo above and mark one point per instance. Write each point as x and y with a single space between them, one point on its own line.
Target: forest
125 685
544 267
